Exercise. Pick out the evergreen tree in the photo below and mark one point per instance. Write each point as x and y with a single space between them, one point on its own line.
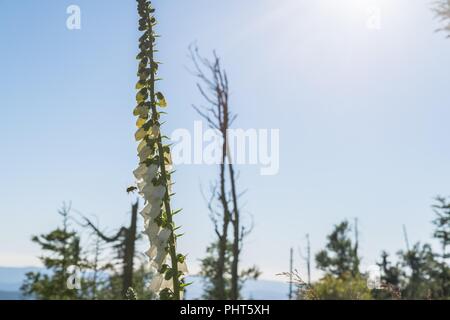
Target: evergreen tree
420 271
215 289
442 225
64 262
113 287
340 258
390 278
390 273
209 273
339 288
442 234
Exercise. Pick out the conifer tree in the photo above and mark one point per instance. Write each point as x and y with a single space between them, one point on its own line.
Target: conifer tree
339 258
64 262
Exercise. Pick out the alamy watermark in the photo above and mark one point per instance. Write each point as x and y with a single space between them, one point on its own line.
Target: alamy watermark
73 21
373 21
244 146
74 279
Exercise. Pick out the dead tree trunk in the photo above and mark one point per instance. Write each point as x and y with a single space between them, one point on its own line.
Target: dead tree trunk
308 258
125 240
128 259
291 272
234 295
214 89
218 116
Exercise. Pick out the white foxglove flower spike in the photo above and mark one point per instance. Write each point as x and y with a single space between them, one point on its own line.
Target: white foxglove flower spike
154 172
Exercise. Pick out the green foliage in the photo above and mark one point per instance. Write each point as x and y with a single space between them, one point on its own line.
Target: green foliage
390 279
390 273
442 225
340 262
340 257
112 290
63 255
71 275
416 275
209 273
345 287
131 294
442 234
421 273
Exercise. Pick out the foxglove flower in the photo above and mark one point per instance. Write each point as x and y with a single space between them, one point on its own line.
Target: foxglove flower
153 175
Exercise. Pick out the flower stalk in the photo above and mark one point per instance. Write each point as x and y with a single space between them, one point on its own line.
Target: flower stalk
155 168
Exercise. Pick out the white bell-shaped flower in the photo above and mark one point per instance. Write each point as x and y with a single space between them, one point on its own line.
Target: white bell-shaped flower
140 171
151 172
151 253
155 284
183 267
162 238
152 230
153 194
160 258
151 211
145 153
166 284
141 184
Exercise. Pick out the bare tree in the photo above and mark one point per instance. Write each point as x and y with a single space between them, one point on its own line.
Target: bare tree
405 236
124 240
291 270
214 88
307 258
355 248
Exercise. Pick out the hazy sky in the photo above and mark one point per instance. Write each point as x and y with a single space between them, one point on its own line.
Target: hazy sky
363 117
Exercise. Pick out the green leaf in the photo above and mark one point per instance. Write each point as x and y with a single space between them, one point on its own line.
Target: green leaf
176 211
184 285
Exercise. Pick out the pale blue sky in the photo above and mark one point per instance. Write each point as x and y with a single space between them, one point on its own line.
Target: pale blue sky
363 117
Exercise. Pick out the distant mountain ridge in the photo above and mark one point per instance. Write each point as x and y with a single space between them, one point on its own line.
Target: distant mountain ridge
253 289
12 278
6 295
